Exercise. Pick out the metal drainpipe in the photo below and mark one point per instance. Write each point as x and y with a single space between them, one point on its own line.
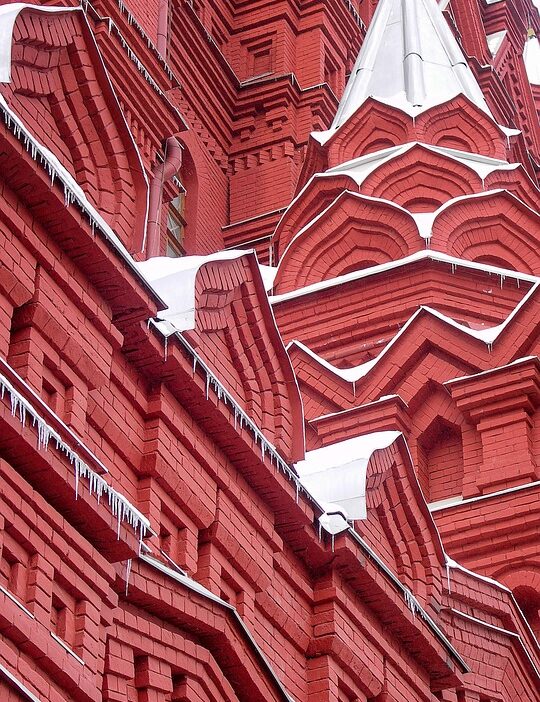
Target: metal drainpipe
163 28
163 172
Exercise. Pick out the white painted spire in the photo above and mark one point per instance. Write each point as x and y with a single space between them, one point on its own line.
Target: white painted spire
531 56
409 59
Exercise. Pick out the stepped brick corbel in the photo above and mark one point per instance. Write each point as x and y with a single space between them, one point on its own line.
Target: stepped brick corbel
500 403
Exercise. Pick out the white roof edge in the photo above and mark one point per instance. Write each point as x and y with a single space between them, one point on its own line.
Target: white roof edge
457 566
517 362
418 256
487 336
384 398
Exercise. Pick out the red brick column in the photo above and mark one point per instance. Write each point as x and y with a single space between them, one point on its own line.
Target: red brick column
500 404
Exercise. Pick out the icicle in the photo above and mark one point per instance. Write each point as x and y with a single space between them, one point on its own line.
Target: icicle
502 278
410 599
490 346
165 348
207 384
333 541
448 576
297 490
194 364
453 267
76 482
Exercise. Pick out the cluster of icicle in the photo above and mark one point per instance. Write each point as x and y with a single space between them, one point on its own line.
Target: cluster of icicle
133 22
241 419
120 507
70 196
411 602
354 12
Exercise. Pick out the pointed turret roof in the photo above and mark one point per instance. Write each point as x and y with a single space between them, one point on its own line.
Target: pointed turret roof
410 60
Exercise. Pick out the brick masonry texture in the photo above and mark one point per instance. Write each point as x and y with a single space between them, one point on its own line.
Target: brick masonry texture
234 593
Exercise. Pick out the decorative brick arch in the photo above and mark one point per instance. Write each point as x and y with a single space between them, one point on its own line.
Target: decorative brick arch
235 333
318 194
421 180
406 524
517 182
496 224
460 125
373 127
353 233
61 91
524 581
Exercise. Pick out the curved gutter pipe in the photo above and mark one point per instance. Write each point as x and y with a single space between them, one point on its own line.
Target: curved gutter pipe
163 172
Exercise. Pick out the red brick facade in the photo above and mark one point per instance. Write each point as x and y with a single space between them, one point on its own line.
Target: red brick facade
157 539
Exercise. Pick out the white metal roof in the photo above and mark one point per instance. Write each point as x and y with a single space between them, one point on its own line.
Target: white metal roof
409 59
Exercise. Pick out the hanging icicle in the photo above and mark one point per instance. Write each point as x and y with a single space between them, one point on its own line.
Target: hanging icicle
120 507
128 573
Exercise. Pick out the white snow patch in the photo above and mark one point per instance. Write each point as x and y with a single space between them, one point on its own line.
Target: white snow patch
268 274
531 56
495 40
336 474
173 279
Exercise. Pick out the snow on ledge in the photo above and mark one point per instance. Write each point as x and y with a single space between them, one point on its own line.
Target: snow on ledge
120 507
173 279
335 475
451 564
360 168
352 375
383 267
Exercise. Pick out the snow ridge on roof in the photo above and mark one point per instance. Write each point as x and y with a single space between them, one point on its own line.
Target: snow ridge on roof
410 60
487 335
383 267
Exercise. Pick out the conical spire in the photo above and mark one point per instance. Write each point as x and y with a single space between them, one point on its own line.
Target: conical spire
409 59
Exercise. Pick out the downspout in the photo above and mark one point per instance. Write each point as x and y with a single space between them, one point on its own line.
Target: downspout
162 173
163 28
